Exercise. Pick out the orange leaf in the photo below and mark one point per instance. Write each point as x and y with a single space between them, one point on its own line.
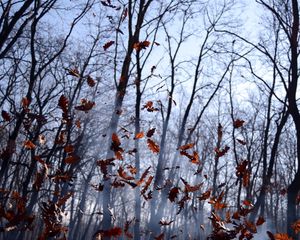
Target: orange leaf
296 226
153 146
141 45
124 175
29 145
282 236
186 146
205 195
139 135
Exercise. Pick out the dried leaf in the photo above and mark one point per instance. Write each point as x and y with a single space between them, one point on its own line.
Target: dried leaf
296 226
186 146
238 123
69 148
173 194
71 159
108 44
139 135
5 115
150 132
141 45
260 221
85 105
90 81
29 145
165 223
153 146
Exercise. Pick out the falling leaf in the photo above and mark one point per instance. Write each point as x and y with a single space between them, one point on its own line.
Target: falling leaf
149 107
29 145
69 148
90 81
113 232
141 45
296 226
160 237
85 105
238 123
5 115
165 223
124 175
139 135
205 195
124 14
173 194
186 146
282 236
78 123
147 184
25 102
61 201
115 146
153 146
63 103
150 132
108 44
143 177
241 141
71 159
74 72
221 152
260 221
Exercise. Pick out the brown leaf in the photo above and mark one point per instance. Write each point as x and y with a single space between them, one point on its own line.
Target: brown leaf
71 159
238 123
123 174
90 81
173 194
153 146
25 102
69 148
160 237
241 141
63 103
6 117
141 45
150 132
205 195
85 105
260 221
113 232
143 177
108 44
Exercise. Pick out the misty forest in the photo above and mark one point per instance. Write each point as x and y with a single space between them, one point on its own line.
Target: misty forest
149 119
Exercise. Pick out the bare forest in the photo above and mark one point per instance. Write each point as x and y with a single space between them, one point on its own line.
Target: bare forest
149 119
